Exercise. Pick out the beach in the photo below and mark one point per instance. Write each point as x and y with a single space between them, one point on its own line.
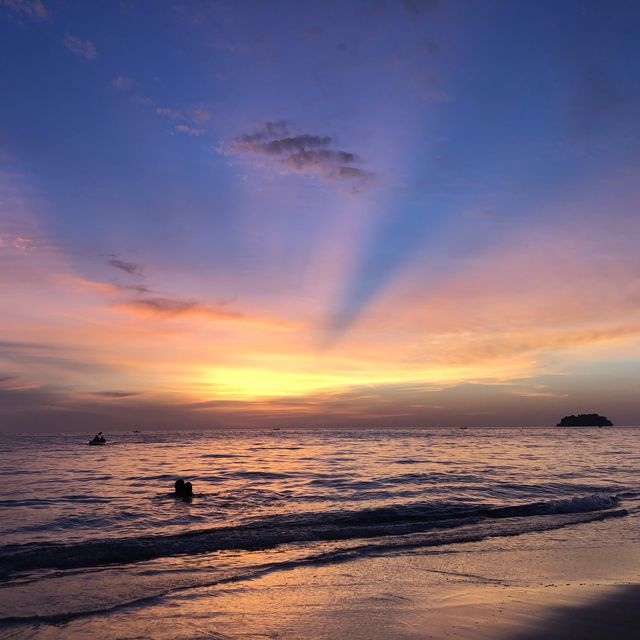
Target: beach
576 585
525 570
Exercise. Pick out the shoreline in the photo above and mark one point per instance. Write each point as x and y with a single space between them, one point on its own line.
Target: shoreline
577 582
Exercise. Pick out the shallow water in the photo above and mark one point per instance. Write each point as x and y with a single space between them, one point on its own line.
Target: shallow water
91 529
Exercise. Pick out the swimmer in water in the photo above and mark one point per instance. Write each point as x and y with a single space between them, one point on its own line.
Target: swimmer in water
187 492
179 488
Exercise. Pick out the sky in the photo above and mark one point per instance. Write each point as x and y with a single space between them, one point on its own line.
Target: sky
355 213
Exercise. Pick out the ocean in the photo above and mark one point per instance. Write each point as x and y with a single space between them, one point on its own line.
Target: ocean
91 536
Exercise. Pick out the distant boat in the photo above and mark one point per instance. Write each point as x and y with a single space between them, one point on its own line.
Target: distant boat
98 439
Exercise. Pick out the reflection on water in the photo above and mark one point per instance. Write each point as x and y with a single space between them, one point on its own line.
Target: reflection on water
55 488
90 529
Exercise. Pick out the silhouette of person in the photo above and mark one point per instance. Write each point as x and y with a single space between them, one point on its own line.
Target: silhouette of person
179 488
187 492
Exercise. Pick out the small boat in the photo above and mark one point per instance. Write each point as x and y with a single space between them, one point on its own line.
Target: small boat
98 439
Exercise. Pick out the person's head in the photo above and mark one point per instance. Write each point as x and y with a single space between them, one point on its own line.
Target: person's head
188 489
179 485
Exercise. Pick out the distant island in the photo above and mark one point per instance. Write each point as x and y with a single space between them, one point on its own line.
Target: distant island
585 420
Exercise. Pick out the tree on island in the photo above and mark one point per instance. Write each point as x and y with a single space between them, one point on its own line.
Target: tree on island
585 420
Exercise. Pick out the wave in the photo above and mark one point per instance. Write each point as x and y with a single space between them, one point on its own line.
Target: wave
264 533
141 595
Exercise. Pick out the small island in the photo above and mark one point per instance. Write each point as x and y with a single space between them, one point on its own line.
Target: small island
585 420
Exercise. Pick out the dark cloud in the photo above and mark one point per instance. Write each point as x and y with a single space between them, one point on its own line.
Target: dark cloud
114 394
138 288
16 345
131 268
300 153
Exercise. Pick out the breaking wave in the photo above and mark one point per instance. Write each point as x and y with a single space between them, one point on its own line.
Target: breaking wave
397 524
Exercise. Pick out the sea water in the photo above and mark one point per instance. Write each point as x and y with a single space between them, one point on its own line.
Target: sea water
89 531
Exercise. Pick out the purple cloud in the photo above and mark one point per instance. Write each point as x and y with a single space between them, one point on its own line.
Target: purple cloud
298 153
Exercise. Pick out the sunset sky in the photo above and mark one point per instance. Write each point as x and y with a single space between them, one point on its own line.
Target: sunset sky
342 213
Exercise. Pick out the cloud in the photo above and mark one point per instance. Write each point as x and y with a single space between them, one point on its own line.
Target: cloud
145 101
122 83
168 112
131 268
165 307
34 9
107 288
82 48
300 153
200 115
43 358
17 346
190 131
115 395
539 394
14 383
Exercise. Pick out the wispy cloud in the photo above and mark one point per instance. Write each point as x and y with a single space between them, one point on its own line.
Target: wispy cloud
190 131
122 83
200 115
171 307
539 394
82 48
144 101
132 268
114 395
34 9
302 153
169 112
15 383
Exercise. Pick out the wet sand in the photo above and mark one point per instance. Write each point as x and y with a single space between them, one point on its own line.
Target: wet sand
518 591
